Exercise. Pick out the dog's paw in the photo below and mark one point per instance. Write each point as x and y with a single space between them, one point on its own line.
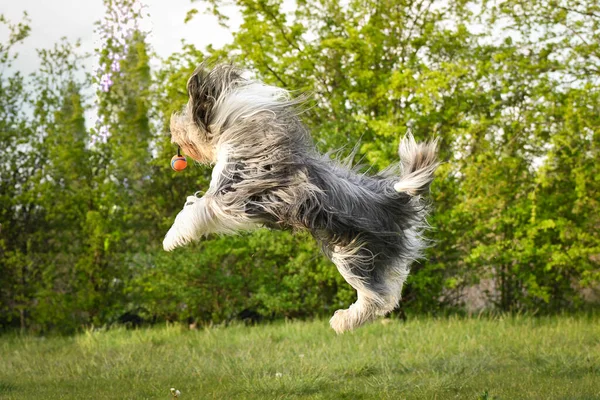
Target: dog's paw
183 230
341 321
172 241
356 315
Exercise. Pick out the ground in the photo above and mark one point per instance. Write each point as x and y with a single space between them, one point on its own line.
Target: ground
424 358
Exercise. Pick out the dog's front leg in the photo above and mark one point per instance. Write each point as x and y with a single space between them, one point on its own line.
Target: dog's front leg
197 218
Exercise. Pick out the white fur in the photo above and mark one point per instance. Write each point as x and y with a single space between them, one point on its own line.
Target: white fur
190 224
409 151
219 168
246 101
411 183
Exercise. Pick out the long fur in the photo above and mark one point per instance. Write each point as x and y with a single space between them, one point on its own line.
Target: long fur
268 173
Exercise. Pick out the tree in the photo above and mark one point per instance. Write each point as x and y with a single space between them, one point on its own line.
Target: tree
18 216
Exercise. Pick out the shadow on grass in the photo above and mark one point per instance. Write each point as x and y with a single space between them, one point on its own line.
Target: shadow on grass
287 389
6 388
361 371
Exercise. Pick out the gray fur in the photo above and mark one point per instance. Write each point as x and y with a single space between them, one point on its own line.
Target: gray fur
269 174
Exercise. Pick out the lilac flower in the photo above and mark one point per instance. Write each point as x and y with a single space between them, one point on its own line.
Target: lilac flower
104 133
115 66
120 23
106 82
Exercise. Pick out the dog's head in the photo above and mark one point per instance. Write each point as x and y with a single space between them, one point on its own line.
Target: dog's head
193 129
220 100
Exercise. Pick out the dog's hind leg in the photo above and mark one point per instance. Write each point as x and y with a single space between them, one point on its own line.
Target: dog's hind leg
374 298
355 264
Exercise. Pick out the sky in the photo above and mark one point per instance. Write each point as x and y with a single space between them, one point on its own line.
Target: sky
74 19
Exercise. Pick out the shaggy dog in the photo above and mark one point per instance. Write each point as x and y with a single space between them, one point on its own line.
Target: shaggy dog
267 173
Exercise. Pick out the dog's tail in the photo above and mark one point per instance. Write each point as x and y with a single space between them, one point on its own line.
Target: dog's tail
419 162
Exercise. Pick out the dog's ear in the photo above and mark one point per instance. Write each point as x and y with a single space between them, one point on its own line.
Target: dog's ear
200 102
205 87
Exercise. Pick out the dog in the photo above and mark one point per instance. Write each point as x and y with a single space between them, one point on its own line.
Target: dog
268 173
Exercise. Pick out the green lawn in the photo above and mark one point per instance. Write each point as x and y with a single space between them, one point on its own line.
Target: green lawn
501 358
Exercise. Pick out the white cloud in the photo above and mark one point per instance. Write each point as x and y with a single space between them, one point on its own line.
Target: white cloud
75 19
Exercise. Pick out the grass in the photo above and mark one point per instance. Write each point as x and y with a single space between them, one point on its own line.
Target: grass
488 358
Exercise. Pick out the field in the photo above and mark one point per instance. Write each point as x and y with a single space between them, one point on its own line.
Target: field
424 358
